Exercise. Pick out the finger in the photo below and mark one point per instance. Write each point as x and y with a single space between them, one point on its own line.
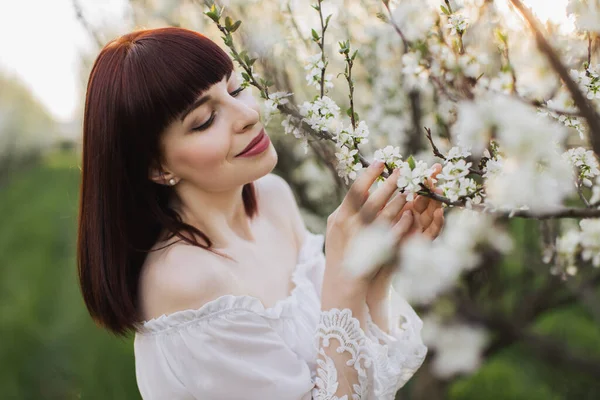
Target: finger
379 198
420 204
393 208
436 226
359 191
408 206
417 226
427 215
401 229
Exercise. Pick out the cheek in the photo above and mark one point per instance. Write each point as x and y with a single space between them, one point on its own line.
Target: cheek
202 154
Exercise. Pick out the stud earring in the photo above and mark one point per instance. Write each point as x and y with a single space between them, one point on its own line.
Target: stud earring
172 182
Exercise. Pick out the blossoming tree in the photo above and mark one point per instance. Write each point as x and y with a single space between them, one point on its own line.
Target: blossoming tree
508 106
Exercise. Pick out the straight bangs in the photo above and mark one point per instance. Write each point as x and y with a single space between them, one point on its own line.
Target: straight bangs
166 70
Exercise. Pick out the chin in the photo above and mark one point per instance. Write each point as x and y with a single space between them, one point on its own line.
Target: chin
264 164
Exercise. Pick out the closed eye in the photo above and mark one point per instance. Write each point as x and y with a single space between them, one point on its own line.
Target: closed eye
208 123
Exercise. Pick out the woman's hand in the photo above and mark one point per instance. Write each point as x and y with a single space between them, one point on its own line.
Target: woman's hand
428 213
358 209
428 220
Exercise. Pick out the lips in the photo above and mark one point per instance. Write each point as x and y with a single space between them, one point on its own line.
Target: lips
253 143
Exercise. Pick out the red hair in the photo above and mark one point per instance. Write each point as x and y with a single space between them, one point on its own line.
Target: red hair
139 84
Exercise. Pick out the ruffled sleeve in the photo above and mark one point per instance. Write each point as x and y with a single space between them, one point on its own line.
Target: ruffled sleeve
232 354
382 363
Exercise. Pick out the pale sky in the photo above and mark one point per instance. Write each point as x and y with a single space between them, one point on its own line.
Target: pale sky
40 42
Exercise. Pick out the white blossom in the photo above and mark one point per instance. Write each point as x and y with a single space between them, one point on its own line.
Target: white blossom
415 18
321 114
566 248
590 240
428 269
389 155
315 68
457 152
458 347
589 81
411 178
587 14
290 125
369 249
271 104
585 162
457 24
347 166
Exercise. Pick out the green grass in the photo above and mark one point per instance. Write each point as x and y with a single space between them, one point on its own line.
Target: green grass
51 348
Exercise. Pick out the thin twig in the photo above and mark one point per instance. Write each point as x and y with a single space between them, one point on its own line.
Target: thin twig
396 27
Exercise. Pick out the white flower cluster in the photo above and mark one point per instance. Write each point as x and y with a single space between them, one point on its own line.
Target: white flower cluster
291 125
458 347
589 81
321 114
370 248
271 104
415 73
454 182
457 24
458 152
349 137
533 174
445 63
347 166
587 14
389 155
568 246
566 252
415 18
563 102
315 68
427 269
411 178
502 82
585 162
590 240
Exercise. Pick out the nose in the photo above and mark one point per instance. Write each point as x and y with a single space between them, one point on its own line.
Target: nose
246 116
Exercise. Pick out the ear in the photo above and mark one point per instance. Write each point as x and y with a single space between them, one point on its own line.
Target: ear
159 175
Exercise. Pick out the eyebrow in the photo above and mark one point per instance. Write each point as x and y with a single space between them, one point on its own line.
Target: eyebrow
199 101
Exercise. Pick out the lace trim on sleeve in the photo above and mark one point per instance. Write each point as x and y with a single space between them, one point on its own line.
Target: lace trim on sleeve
340 325
396 356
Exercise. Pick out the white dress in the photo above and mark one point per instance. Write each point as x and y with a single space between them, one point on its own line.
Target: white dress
234 348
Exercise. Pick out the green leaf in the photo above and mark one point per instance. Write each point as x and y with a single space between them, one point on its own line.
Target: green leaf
445 10
235 26
245 76
315 35
228 22
316 7
411 162
327 20
354 55
212 15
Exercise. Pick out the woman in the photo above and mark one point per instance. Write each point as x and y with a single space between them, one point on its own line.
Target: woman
188 241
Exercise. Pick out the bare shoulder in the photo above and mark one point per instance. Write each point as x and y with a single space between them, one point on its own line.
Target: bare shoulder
181 277
275 194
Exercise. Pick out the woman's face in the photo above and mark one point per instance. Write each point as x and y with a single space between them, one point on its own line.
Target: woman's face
202 147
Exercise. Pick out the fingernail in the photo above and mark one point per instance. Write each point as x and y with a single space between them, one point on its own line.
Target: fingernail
377 164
